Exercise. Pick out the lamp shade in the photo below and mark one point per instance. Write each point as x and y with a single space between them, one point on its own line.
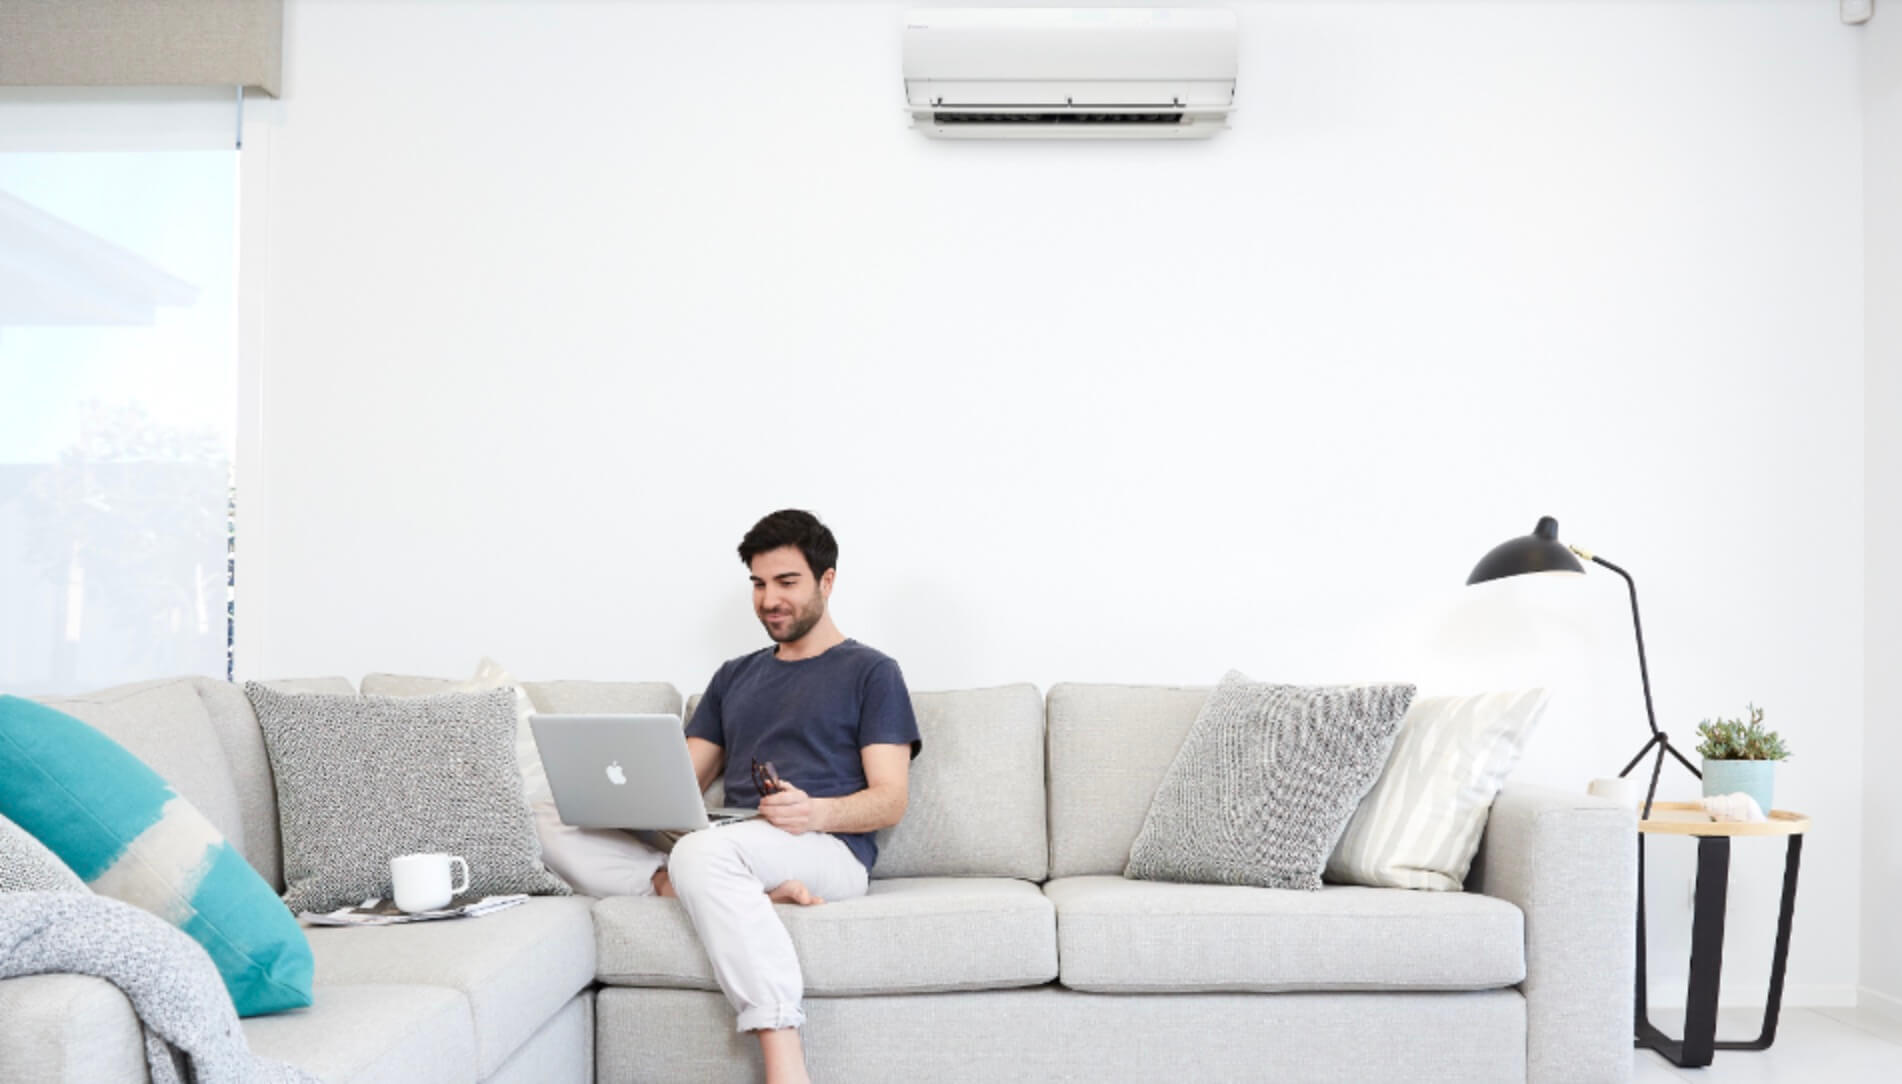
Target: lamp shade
1540 551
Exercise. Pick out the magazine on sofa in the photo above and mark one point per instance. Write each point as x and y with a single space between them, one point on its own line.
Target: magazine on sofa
386 913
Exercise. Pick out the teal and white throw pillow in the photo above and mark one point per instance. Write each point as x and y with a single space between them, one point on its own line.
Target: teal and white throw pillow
126 833
1420 824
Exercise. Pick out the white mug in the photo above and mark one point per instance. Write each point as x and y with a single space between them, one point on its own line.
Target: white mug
1623 790
422 881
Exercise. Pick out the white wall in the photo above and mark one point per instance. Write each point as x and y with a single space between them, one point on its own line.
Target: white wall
1882 262
551 301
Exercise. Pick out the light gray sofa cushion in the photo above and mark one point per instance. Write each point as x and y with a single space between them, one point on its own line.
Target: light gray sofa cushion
976 807
68 1029
517 967
1266 781
907 935
373 1034
27 866
1109 747
363 779
1120 936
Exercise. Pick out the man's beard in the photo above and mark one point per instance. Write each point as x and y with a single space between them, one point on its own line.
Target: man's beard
803 622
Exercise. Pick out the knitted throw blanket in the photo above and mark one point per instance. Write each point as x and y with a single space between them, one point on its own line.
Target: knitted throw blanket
192 1035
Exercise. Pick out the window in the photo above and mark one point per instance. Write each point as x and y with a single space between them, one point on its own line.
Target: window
117 407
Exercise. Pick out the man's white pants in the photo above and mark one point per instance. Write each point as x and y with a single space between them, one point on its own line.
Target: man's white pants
722 876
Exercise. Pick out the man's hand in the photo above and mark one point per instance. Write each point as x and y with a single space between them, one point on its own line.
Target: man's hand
793 810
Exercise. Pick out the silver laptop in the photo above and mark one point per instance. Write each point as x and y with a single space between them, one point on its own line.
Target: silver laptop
624 771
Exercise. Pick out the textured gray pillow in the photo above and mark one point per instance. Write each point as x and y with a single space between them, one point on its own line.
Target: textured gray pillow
361 779
27 866
1265 783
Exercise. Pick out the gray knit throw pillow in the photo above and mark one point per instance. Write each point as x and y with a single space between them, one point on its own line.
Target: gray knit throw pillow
362 779
27 866
1266 782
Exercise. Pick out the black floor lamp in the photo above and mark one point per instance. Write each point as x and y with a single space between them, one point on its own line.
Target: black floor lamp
1541 551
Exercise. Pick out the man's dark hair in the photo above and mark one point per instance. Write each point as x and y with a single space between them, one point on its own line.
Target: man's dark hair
792 527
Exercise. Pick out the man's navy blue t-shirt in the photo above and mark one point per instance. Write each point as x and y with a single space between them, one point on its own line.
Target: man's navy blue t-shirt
810 717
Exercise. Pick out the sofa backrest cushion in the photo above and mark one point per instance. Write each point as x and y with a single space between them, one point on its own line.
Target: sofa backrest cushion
1110 746
976 804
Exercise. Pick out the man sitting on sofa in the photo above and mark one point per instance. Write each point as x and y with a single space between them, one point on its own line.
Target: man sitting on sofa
833 719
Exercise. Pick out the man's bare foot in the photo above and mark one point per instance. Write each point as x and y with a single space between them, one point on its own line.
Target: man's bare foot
794 892
663 884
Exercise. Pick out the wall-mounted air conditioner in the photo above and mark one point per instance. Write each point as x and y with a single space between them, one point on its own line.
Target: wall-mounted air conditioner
1044 73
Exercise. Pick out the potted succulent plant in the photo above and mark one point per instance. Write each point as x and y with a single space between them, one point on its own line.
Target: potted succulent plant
1740 756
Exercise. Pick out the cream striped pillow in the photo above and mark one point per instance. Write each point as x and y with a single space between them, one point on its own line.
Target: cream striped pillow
1419 826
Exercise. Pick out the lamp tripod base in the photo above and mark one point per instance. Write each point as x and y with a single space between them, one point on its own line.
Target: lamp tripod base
1662 742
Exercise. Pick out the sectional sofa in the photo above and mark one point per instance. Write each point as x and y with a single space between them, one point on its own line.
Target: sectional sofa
999 940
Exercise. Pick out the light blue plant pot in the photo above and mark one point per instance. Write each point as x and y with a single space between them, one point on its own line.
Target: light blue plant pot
1756 778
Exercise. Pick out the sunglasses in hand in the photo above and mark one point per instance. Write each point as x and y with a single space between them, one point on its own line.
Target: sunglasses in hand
765 777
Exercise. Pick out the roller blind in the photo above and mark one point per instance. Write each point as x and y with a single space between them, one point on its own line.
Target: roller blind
118 405
82 43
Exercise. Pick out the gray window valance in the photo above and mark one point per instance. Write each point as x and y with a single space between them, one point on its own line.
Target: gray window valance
92 43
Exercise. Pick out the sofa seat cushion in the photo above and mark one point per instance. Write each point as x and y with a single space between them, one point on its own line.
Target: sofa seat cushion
379 1033
516 967
906 935
1122 936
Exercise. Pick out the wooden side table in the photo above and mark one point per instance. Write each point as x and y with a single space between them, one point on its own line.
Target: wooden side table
1707 928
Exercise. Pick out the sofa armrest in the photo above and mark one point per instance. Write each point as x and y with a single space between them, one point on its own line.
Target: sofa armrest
69 1029
1570 863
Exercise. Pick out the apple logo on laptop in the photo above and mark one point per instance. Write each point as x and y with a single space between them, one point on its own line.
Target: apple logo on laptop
616 775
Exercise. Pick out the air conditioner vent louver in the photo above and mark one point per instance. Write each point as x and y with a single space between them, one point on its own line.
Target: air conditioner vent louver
1056 118
1070 73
